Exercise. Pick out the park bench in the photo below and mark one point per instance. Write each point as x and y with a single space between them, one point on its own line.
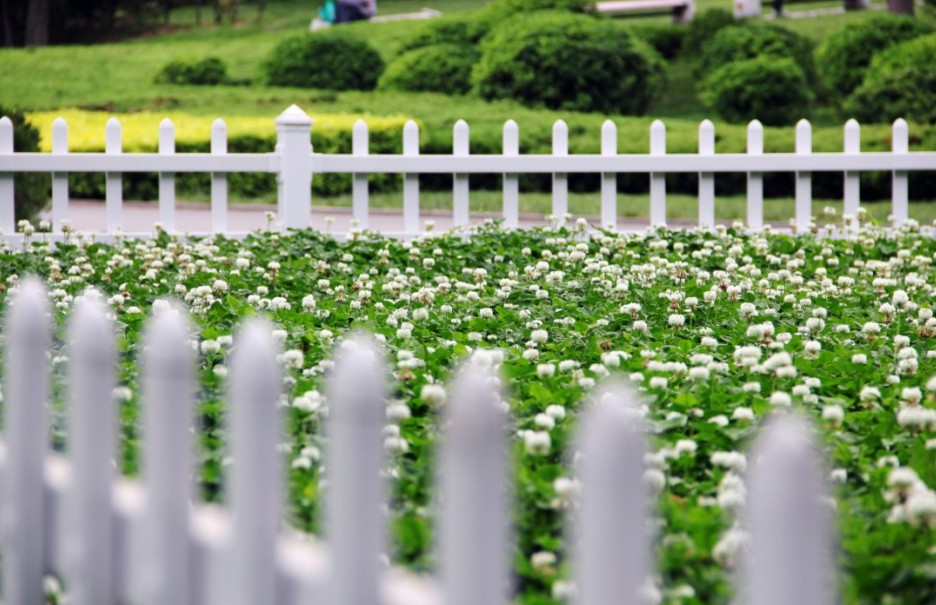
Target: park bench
682 10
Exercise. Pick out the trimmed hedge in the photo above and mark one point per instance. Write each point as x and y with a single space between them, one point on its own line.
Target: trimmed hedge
209 71
463 30
772 90
567 61
31 190
845 55
444 68
899 84
752 39
331 60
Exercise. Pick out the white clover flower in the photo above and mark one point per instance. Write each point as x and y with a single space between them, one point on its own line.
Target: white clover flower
545 422
700 373
734 461
531 354
308 302
911 395
567 365
433 394
556 411
210 346
293 359
612 359
686 447
743 414
676 320
537 443
833 414
543 562
859 359
779 398
539 336
658 382
398 411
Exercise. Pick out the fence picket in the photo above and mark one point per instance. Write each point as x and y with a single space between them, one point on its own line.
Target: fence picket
803 178
167 179
113 180
219 180
852 188
360 196
59 179
411 181
560 180
706 179
91 445
609 146
356 492
657 179
7 213
168 389
293 131
26 432
473 476
900 188
460 148
755 180
511 181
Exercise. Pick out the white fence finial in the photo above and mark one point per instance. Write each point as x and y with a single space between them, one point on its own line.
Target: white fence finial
293 140
560 180
219 182
511 142
167 179
803 178
706 179
59 179
900 187
790 558
657 179
360 192
113 145
460 189
411 180
609 146
755 180
852 192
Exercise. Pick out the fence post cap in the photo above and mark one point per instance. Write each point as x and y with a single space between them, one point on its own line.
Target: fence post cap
901 124
294 116
218 124
608 127
359 126
6 122
166 124
803 124
755 125
26 318
658 126
59 122
511 125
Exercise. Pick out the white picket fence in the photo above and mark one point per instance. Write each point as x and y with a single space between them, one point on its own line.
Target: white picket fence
146 542
295 164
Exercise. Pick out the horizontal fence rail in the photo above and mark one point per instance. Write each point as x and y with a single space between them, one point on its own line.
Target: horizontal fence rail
295 164
150 542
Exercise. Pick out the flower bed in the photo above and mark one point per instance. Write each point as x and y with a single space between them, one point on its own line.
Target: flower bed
719 330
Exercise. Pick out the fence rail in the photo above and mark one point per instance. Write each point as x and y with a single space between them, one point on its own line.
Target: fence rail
295 165
146 542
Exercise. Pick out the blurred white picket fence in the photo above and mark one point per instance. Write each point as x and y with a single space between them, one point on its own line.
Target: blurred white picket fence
295 165
147 542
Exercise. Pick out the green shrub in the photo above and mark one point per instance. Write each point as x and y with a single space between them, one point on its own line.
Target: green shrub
899 84
666 39
444 68
30 189
772 90
500 9
703 28
331 60
465 30
567 61
205 72
845 55
751 39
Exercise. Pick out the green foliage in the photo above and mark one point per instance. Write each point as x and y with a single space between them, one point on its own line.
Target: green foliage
703 27
900 84
503 9
331 60
30 189
566 61
444 68
751 39
465 30
772 90
666 39
845 55
205 72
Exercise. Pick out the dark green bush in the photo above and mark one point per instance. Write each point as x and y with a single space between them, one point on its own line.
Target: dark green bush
444 68
466 30
703 28
845 55
331 60
751 39
901 83
666 39
772 90
30 189
568 61
501 9
204 72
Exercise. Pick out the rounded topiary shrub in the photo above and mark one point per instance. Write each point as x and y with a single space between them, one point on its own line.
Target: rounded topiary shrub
846 54
30 189
204 72
703 28
464 30
772 90
751 39
899 84
444 68
330 60
568 61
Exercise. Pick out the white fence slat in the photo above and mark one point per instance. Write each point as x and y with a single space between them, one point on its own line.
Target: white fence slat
560 180
256 477
167 179
900 187
26 431
852 181
511 180
755 180
460 190
609 146
411 181
59 179
612 544
803 178
360 195
791 558
168 389
657 180
91 446
113 180
128 544
355 521
7 212
210 579
293 138
706 179
473 475
219 180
